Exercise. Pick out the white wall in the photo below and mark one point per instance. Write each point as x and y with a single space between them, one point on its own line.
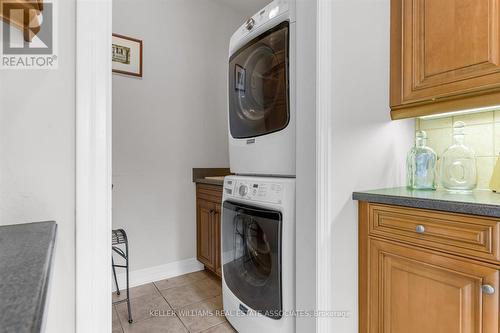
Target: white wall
368 149
37 160
171 120
245 7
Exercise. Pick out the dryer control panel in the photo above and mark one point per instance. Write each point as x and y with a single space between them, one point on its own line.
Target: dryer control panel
271 192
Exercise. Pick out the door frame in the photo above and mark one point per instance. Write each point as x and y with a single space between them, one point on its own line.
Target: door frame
93 166
94 169
324 164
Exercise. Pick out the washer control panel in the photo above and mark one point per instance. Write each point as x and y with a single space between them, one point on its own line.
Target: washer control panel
271 192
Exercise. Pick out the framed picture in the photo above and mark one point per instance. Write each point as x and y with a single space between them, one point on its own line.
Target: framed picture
127 55
239 77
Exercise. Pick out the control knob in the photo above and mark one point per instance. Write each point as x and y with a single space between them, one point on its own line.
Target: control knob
243 190
250 24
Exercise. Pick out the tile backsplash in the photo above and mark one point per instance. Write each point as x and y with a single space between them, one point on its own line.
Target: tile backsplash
482 134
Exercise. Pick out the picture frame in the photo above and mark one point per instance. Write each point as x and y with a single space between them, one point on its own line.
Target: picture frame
127 55
239 78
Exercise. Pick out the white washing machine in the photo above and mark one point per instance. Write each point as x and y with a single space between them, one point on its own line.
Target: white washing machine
258 253
262 93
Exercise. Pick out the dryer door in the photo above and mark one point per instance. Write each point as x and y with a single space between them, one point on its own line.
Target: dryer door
251 256
258 85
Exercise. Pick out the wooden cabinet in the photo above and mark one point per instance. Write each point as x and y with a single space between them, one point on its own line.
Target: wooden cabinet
445 56
208 219
205 232
412 284
23 14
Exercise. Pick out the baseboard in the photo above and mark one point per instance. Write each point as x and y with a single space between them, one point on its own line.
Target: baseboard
151 274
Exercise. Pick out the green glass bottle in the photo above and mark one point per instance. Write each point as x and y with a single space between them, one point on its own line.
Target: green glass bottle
421 165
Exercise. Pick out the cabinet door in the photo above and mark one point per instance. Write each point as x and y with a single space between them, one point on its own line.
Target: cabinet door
444 51
204 233
415 291
217 237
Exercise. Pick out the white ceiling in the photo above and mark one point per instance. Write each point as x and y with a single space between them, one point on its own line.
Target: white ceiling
245 7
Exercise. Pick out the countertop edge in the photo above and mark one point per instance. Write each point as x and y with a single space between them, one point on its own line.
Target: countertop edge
29 292
431 204
42 300
209 181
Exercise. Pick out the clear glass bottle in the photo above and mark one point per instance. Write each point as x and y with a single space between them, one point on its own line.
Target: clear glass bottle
458 164
421 164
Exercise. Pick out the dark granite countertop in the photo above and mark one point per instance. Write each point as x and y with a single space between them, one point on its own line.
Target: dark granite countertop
207 175
25 260
483 203
217 182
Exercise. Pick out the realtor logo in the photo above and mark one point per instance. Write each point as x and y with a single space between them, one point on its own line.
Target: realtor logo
28 35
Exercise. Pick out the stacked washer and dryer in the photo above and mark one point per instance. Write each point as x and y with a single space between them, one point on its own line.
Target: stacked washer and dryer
258 218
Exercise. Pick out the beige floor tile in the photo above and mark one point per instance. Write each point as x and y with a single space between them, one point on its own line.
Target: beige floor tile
211 283
221 328
166 324
178 297
182 280
202 315
117 327
144 307
146 289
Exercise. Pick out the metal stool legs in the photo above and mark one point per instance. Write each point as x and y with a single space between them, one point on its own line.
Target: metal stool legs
114 274
120 237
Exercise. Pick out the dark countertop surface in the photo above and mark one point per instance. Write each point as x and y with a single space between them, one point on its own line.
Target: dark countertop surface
210 181
26 252
480 202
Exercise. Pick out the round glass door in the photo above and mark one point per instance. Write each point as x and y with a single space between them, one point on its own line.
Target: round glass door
258 82
263 83
251 256
254 247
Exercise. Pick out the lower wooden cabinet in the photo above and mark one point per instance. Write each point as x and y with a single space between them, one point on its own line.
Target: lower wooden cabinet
411 288
208 219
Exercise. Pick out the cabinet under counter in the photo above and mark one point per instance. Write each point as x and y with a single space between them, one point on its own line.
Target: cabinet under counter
428 261
208 221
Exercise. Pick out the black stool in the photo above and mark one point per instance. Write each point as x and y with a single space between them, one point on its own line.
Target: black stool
118 238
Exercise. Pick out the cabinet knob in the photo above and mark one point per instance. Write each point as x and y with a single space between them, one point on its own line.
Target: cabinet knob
420 229
488 289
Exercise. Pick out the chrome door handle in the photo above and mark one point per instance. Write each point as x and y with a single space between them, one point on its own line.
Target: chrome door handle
420 229
488 289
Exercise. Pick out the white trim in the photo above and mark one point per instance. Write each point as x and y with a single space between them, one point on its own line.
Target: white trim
324 164
306 210
93 166
157 273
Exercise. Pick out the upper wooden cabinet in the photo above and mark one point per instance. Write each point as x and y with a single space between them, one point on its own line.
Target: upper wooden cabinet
26 15
445 56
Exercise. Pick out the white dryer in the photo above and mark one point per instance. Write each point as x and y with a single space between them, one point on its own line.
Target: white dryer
262 93
258 253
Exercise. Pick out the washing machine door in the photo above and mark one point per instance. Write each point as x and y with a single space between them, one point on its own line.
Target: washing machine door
258 85
251 256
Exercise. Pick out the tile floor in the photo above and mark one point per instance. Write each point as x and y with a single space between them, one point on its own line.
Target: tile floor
187 303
